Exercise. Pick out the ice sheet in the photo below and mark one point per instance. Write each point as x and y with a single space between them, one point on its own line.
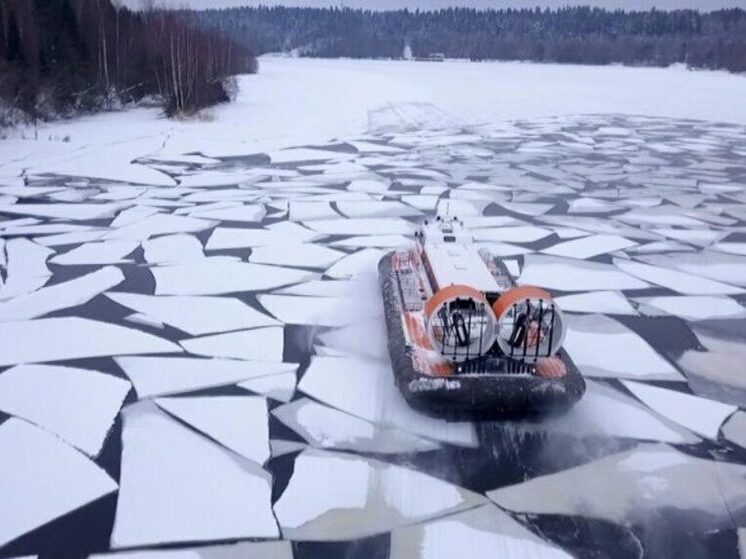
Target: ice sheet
639 486
588 247
484 532
278 387
78 405
172 249
248 550
696 307
164 496
159 224
603 347
159 376
259 344
72 338
362 226
26 267
699 415
681 282
42 478
566 274
605 302
239 423
63 295
107 252
219 276
356 496
362 262
305 255
195 315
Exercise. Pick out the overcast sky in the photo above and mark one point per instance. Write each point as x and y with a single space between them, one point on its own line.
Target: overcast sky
434 4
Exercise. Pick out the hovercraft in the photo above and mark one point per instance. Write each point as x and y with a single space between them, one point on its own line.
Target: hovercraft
464 339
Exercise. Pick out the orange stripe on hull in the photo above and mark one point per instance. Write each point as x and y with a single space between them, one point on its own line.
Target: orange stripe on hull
426 360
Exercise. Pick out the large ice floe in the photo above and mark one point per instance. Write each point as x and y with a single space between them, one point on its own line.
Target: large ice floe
178 486
42 478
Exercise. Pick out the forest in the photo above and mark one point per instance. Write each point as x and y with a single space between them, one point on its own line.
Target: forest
63 57
581 35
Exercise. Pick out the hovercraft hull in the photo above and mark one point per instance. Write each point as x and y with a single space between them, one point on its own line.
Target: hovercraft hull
482 394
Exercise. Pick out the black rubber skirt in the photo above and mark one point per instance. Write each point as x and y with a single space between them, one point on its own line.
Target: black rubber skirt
471 395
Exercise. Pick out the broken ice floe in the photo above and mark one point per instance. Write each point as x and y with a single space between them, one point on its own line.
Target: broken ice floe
303 255
484 532
588 247
259 344
640 486
602 347
356 496
682 282
56 339
172 249
365 388
699 415
696 307
605 302
239 423
195 315
78 405
735 429
325 427
42 478
279 387
26 267
568 274
164 496
63 295
187 374
604 412
219 276
106 252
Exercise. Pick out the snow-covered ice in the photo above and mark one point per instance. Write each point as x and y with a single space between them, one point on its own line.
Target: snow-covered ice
177 486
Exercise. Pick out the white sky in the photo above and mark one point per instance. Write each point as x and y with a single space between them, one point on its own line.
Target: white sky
434 4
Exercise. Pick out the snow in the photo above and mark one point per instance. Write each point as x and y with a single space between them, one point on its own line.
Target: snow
78 405
259 344
362 262
603 347
484 532
195 315
365 388
42 478
177 486
355 496
158 376
213 276
72 338
63 295
325 427
700 415
239 423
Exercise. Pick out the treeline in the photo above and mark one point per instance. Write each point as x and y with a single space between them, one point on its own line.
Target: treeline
569 35
59 57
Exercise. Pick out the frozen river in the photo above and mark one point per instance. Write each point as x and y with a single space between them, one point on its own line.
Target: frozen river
192 347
